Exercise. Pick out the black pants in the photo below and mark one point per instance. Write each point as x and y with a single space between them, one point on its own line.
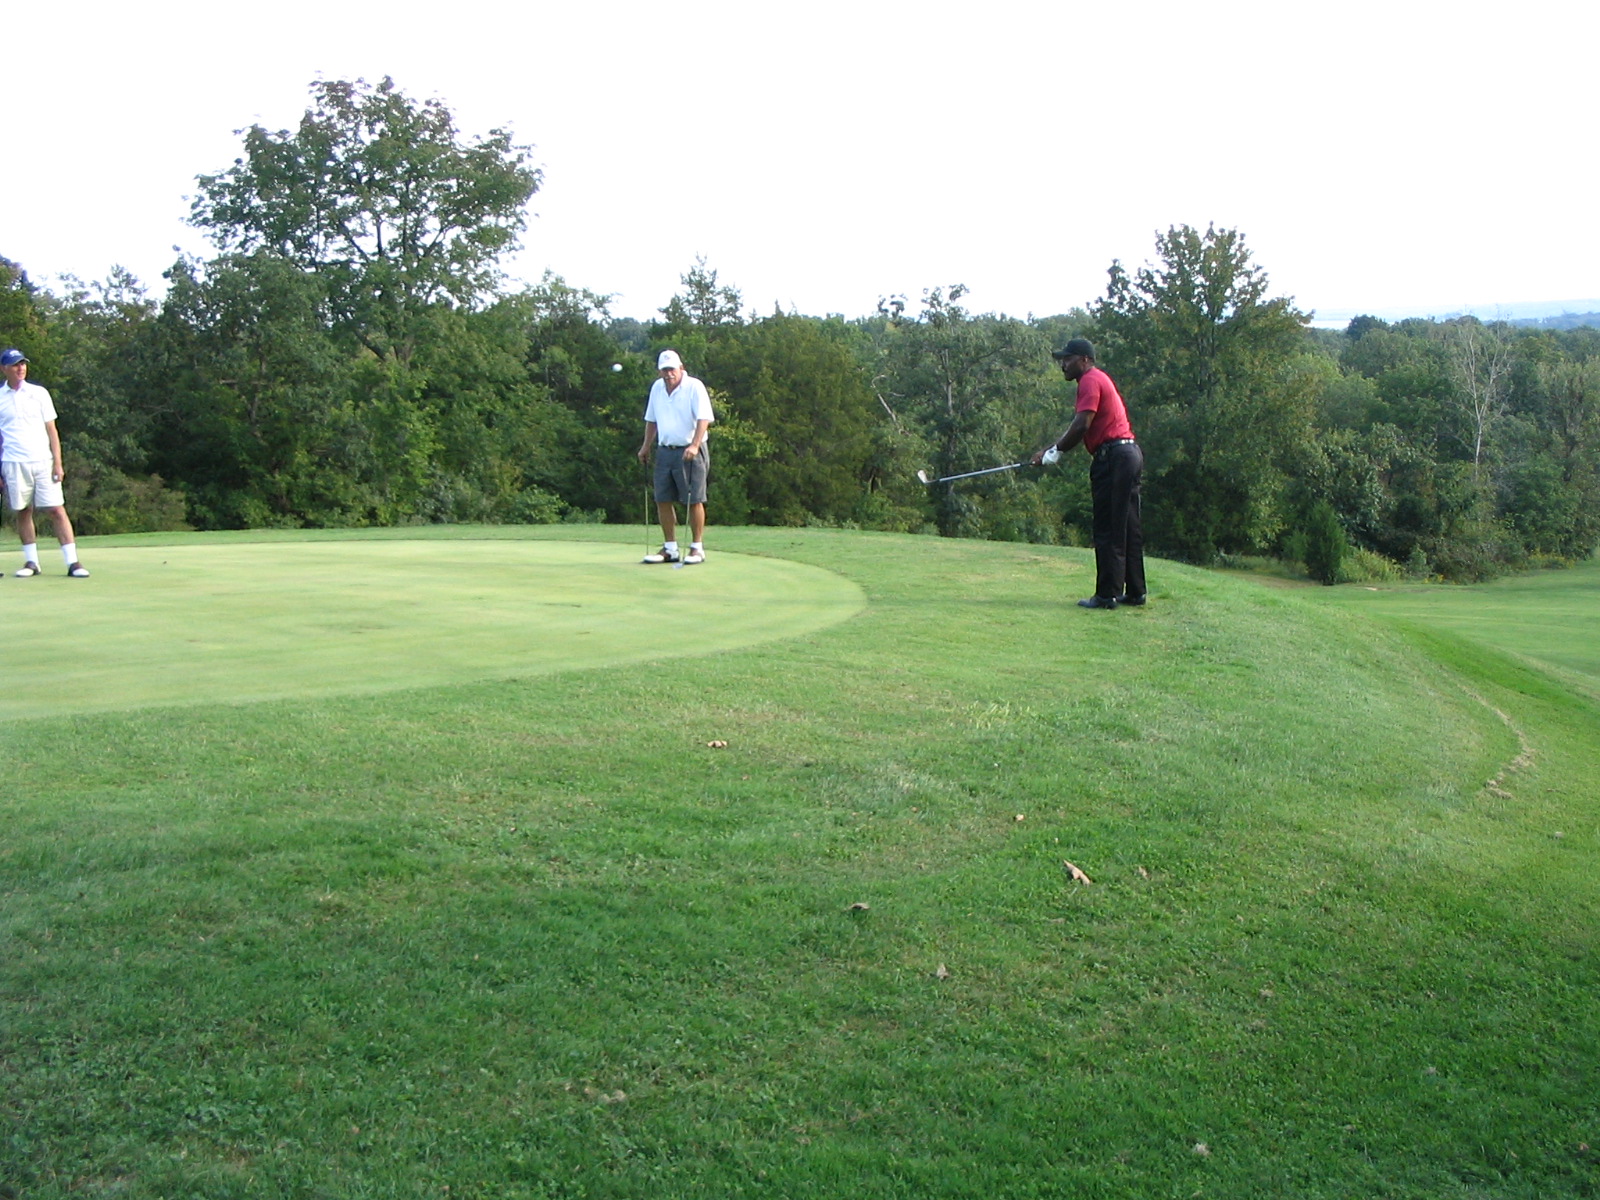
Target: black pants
1115 477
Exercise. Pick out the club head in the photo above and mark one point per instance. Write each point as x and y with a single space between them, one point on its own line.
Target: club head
922 477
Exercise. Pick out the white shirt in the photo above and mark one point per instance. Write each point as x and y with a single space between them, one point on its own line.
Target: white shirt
23 412
676 413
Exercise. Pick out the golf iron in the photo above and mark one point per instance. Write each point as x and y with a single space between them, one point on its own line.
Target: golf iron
922 476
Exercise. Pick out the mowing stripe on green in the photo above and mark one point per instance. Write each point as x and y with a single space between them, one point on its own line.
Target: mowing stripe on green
213 623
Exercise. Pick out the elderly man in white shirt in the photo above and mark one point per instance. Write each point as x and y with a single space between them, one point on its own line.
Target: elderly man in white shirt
675 423
30 459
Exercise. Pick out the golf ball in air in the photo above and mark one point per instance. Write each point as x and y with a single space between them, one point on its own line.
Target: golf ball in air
616 366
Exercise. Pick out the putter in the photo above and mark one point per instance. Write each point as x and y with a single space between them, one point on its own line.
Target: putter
922 476
683 547
649 532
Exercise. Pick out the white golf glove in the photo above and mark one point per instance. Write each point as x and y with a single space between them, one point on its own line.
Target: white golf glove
1051 457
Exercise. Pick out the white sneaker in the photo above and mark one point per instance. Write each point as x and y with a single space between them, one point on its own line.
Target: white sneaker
28 570
694 556
662 555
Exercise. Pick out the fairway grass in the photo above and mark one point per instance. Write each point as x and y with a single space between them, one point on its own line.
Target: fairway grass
533 936
1550 618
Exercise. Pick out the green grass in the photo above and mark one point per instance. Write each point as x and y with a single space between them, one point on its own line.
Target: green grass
1549 618
221 619
530 936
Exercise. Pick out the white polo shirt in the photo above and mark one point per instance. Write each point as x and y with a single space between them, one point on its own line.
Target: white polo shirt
676 413
23 412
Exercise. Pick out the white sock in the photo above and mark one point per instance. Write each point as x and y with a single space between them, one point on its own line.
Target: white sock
69 553
696 546
672 547
30 552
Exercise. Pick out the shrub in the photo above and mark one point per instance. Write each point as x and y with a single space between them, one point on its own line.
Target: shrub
534 506
1326 544
1368 566
107 501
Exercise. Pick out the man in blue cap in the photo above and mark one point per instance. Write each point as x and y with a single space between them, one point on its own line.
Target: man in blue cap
31 462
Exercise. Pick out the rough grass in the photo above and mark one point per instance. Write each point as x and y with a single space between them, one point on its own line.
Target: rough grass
532 937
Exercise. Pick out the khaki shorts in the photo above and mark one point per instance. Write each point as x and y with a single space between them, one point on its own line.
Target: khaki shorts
678 481
29 485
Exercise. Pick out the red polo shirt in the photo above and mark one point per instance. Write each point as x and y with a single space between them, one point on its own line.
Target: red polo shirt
1098 395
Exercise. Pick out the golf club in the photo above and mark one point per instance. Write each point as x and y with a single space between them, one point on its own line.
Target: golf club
649 532
683 547
922 476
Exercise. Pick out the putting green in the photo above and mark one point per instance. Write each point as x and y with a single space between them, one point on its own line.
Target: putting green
204 624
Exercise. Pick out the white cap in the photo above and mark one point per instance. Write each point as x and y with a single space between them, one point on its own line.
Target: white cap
669 358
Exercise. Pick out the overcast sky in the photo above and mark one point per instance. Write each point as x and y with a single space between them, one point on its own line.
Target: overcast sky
1398 157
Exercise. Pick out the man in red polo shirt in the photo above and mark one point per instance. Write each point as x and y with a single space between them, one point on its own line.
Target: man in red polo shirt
1115 475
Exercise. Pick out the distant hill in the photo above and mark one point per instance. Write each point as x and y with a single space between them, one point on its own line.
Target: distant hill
1564 321
1543 314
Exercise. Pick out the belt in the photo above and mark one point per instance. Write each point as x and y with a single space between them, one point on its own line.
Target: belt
670 446
1113 442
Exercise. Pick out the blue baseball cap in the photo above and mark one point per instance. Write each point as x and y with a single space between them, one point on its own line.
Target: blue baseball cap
12 357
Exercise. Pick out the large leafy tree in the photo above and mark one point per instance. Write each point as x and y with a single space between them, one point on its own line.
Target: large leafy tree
797 381
383 198
969 385
256 421
1213 370
21 323
86 347
101 330
1552 487
569 354
110 396
704 303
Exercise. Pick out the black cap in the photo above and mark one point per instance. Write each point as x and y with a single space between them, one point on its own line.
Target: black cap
1075 346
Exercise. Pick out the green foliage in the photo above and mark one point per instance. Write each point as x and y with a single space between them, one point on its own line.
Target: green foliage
381 197
256 423
103 500
1480 365
1208 363
496 435
1348 401
596 415
350 360
1553 488
799 384
106 367
1364 566
974 389
1325 544
704 304
21 324
534 506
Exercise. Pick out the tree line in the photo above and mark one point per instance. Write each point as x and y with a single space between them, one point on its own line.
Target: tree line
351 357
